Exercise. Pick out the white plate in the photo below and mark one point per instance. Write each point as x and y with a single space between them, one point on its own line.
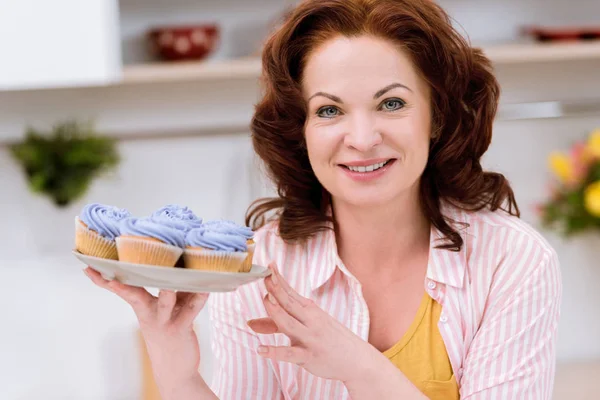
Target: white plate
185 280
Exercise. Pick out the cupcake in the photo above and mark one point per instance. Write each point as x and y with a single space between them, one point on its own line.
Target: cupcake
174 216
210 250
144 241
231 227
96 228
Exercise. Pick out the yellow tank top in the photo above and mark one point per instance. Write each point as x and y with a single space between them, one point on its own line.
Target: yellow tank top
421 354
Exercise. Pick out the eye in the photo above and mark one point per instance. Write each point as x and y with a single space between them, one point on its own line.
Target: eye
328 112
392 104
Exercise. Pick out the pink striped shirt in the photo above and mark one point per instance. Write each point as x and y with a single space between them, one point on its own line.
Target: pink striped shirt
500 297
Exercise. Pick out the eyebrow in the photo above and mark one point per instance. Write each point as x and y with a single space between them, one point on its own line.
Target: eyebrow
375 96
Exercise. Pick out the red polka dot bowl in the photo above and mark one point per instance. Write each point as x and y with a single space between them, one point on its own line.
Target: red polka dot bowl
179 43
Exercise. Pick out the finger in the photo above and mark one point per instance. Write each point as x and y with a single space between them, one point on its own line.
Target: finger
190 308
165 304
182 299
138 298
265 326
96 277
278 279
288 298
286 323
290 354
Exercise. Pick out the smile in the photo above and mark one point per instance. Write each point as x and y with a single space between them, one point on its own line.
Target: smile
367 168
369 171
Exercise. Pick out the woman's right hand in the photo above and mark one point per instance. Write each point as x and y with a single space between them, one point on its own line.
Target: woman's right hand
166 323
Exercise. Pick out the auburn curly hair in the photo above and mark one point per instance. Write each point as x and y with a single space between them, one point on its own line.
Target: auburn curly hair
464 100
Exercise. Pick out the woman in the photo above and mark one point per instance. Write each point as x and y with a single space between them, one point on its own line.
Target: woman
400 267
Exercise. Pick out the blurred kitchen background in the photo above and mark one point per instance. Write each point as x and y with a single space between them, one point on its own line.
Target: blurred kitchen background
180 128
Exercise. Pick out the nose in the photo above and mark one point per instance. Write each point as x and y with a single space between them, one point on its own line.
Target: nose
362 134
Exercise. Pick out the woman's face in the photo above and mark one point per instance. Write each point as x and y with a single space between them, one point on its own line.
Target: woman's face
369 120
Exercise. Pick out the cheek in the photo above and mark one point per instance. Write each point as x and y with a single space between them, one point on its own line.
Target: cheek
320 145
420 132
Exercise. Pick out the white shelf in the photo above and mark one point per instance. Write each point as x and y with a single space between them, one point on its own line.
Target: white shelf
242 68
542 52
250 68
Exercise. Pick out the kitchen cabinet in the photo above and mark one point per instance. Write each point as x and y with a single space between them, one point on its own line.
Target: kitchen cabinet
59 43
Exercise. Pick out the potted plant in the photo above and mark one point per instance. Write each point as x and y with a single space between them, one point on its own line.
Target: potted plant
62 163
574 203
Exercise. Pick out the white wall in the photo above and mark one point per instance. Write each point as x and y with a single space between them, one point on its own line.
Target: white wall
62 338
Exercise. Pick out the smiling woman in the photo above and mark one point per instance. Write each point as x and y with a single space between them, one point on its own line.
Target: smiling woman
326 72
374 119
400 268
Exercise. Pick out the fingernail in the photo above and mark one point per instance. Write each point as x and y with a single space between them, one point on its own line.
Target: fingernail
262 349
273 277
272 299
85 271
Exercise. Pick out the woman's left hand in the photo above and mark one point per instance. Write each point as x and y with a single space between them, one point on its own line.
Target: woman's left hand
319 343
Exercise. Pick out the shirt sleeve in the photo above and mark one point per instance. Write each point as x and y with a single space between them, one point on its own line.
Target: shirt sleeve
239 373
512 355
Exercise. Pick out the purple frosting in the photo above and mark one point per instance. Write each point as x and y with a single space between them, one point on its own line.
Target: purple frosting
147 228
103 219
209 239
229 227
177 217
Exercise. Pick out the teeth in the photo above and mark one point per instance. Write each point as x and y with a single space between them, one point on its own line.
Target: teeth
368 168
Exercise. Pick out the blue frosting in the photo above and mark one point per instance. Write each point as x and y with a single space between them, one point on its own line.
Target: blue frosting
147 228
103 219
229 227
213 240
177 217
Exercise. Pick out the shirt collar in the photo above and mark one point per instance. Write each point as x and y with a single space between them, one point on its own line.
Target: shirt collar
445 266
324 259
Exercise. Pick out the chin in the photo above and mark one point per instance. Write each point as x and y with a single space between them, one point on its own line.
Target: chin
366 197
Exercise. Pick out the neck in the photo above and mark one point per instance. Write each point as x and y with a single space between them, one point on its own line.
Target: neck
381 237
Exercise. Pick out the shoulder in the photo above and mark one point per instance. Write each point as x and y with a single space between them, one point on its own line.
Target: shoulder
271 247
508 249
269 231
302 264
269 244
269 240
512 233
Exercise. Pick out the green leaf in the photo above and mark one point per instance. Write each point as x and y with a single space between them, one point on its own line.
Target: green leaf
594 173
63 163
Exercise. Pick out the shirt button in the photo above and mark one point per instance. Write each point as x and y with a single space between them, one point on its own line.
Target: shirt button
443 319
431 285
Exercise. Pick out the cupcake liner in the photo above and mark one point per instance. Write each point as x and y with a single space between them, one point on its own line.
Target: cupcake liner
213 260
247 264
148 251
90 243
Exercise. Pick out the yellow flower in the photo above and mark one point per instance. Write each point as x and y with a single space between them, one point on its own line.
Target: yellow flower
562 167
592 198
593 144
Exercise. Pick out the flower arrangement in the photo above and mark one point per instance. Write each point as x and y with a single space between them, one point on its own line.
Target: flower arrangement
574 203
